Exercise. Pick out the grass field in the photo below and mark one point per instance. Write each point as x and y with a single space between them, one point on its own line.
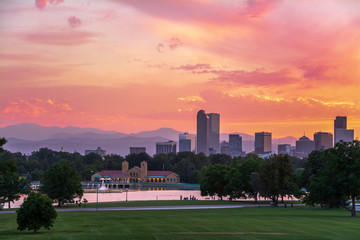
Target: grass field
243 223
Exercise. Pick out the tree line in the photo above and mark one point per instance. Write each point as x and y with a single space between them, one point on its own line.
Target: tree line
190 166
329 178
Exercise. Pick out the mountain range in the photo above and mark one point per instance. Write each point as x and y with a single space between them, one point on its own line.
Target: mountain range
29 137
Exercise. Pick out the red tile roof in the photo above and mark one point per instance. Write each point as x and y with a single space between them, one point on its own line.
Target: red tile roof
113 173
160 173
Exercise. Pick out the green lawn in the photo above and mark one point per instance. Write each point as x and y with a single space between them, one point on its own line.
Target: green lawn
243 223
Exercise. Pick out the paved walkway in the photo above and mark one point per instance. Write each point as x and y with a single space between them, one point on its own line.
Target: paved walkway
184 207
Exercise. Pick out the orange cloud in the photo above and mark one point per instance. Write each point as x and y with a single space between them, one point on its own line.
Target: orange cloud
35 108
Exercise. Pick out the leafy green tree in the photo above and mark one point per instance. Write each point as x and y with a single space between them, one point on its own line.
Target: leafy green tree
36 212
334 176
136 159
214 181
62 183
11 186
37 175
3 141
185 168
276 177
158 162
240 179
222 159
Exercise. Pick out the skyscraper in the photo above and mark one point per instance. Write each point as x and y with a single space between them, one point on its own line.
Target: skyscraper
323 140
263 142
224 148
214 132
235 145
340 130
340 122
165 147
284 149
304 146
187 142
202 133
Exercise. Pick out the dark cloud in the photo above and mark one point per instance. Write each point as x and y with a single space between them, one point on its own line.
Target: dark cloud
74 21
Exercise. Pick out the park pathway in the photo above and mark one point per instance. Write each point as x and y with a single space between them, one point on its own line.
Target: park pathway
183 207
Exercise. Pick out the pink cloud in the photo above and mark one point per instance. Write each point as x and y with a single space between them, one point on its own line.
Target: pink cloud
42 3
172 44
30 72
202 11
64 38
175 43
257 77
160 48
314 71
189 67
19 57
74 21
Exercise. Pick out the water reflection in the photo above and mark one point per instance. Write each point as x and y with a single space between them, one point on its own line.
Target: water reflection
137 195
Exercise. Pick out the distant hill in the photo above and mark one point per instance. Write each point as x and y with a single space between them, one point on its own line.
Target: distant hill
28 137
116 146
31 131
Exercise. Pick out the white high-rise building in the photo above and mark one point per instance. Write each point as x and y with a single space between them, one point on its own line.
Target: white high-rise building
214 132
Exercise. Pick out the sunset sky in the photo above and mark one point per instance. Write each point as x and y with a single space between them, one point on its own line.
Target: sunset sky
280 66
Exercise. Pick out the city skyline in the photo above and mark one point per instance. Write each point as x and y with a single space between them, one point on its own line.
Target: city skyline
283 67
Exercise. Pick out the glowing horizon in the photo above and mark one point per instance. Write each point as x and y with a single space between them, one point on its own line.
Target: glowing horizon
279 66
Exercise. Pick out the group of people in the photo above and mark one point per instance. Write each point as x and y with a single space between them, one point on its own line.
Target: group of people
188 198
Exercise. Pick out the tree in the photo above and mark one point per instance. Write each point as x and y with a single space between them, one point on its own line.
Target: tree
185 168
276 177
334 176
62 182
11 186
36 212
222 159
241 179
214 181
2 143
